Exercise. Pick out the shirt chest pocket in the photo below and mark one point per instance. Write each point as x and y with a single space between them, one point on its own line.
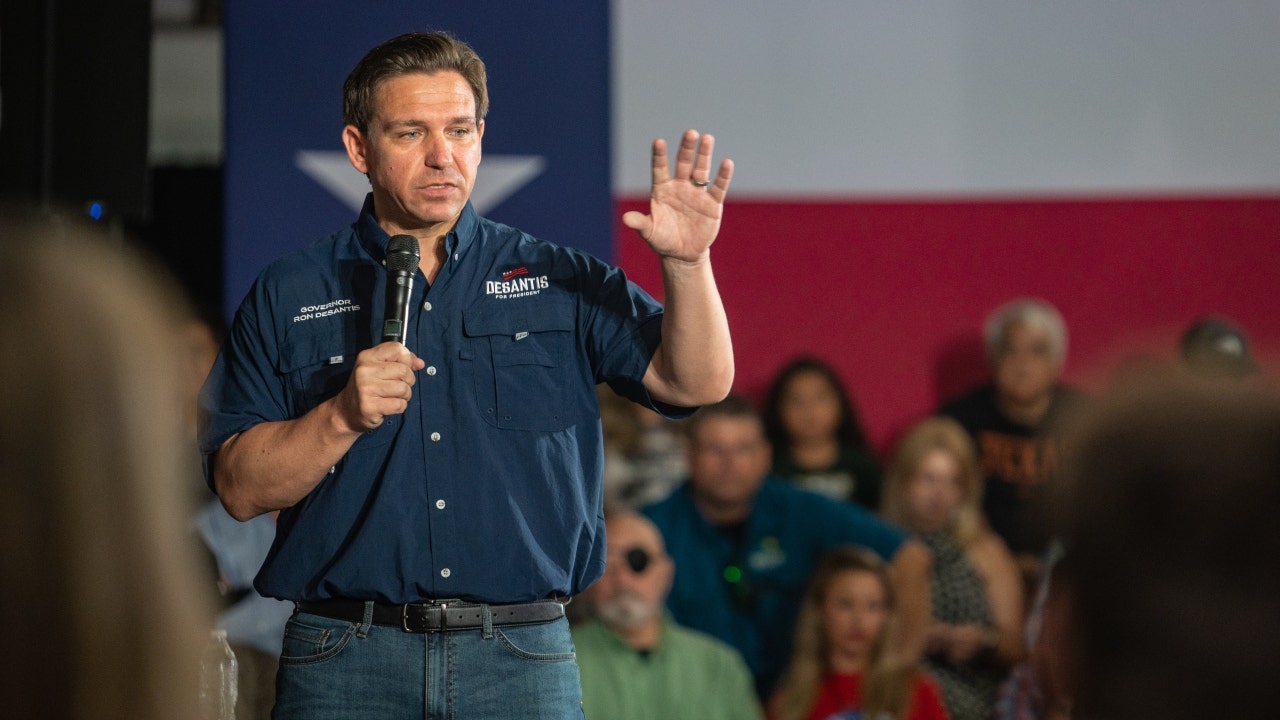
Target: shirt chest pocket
521 365
317 368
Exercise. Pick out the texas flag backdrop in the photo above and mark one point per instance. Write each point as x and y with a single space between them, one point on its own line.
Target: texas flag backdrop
902 168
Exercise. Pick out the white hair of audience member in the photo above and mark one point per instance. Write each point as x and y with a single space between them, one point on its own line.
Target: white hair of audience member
1035 314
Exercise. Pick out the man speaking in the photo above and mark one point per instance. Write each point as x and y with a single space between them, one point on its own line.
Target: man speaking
441 497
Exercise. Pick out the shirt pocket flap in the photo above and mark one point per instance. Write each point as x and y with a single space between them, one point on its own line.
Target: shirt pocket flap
317 368
535 334
314 351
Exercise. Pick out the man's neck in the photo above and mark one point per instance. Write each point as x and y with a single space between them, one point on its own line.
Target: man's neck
433 257
722 514
431 245
1025 413
645 637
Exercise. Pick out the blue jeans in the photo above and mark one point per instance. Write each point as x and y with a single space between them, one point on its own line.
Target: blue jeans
339 670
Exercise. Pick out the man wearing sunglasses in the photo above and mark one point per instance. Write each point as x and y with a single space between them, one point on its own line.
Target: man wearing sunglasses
635 661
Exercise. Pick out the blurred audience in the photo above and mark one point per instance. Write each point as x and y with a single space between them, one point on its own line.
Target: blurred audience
745 543
818 440
839 668
934 489
1011 421
1215 348
100 575
1175 588
254 624
644 456
635 662
1039 687
768 558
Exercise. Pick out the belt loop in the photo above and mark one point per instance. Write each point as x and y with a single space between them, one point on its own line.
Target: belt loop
487 613
363 632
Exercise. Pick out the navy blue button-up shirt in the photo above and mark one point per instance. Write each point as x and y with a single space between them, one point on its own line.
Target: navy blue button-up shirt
488 488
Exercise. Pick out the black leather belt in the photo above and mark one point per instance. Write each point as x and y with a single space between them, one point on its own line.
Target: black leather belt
437 615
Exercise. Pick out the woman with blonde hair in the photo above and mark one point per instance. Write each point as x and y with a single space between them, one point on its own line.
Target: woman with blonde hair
840 668
934 489
98 568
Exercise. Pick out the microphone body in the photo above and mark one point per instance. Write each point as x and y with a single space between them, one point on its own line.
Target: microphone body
402 262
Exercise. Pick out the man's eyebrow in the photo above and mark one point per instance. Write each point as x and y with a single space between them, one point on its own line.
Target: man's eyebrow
415 122
403 122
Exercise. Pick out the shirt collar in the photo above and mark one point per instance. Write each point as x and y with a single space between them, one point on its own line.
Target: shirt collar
456 242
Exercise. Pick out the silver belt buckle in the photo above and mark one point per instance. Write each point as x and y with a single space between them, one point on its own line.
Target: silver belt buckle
423 618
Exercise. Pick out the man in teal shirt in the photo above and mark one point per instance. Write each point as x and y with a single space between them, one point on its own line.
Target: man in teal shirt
745 544
635 662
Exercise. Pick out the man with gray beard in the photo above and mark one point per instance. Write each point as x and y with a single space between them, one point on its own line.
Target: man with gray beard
635 661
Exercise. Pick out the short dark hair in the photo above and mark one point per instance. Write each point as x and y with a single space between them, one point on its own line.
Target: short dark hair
416 52
734 406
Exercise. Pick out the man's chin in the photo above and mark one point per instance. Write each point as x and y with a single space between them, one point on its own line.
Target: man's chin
624 614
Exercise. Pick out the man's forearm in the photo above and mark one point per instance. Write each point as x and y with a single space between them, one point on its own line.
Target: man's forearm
273 465
694 363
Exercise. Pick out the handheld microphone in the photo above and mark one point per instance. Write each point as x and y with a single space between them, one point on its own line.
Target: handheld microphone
402 262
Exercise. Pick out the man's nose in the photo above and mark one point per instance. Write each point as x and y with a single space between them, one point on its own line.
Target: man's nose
437 151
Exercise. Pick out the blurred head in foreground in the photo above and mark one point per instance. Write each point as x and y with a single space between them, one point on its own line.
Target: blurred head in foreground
1216 348
1169 520
95 561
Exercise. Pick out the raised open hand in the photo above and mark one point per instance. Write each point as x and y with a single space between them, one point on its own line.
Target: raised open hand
684 207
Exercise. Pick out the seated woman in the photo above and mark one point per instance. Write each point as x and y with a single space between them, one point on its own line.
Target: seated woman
934 489
840 669
817 438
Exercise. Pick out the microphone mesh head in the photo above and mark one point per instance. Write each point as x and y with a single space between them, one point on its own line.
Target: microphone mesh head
403 254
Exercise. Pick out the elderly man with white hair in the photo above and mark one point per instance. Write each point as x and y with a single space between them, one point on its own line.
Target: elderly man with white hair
1011 420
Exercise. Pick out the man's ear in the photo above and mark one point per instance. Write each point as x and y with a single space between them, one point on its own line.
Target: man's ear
354 141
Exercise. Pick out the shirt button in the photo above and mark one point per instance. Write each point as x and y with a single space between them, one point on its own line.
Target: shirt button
455 256
426 306
444 573
435 437
431 370
440 504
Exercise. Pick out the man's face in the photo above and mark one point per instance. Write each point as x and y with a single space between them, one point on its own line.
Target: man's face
420 152
1025 369
637 574
728 460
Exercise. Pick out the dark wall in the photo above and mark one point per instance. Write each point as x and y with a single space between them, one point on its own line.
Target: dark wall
75 76
185 229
